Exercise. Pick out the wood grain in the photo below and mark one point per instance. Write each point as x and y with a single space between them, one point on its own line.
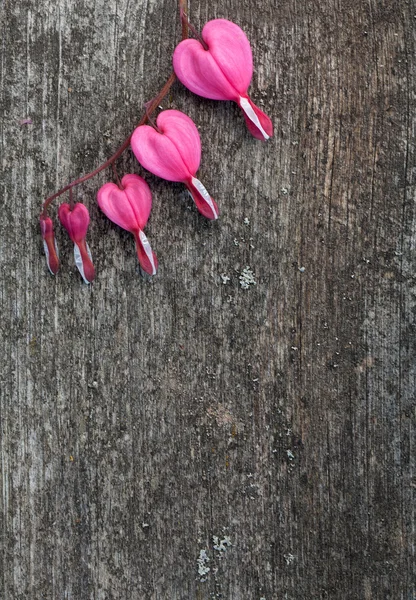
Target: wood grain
140 419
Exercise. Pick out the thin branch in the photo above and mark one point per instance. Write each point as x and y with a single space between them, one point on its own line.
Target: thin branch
150 108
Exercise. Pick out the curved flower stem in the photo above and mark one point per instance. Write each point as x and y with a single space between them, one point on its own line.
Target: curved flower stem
150 120
155 102
187 25
71 199
195 31
116 177
150 108
184 19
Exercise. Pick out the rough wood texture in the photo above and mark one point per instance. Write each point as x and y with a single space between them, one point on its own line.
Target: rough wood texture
139 419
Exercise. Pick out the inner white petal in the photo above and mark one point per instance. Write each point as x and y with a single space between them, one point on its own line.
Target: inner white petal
204 193
78 260
148 250
45 247
248 109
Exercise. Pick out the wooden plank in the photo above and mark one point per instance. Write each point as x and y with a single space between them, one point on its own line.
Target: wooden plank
140 419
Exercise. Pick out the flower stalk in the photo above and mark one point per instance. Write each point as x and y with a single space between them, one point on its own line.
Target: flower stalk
149 111
155 102
217 64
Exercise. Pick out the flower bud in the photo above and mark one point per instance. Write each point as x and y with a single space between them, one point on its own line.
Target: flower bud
49 244
76 221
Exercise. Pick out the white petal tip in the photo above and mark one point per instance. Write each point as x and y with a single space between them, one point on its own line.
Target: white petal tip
205 196
148 250
248 109
79 263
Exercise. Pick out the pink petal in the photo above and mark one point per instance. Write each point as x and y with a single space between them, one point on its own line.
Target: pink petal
183 133
230 48
224 71
258 123
128 208
75 221
198 71
157 154
64 212
204 203
172 154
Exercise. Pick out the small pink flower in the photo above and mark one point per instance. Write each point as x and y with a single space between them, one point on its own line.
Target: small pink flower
173 152
76 221
223 71
49 244
130 209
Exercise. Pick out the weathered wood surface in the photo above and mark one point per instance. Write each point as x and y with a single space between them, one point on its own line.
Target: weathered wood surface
140 419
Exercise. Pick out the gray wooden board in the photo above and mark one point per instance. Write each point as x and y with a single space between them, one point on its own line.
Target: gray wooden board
140 419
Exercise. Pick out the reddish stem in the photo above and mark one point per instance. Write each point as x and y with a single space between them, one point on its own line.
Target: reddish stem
150 108
150 120
71 199
195 32
165 89
184 18
117 178
186 25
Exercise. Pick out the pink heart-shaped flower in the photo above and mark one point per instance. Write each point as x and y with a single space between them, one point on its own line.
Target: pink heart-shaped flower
173 152
76 220
130 208
223 71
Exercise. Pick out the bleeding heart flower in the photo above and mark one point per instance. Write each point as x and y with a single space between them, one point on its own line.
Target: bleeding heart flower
223 71
76 221
49 244
129 208
173 152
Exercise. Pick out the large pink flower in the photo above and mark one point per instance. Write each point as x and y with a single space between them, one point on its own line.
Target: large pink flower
129 208
223 71
173 152
76 221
